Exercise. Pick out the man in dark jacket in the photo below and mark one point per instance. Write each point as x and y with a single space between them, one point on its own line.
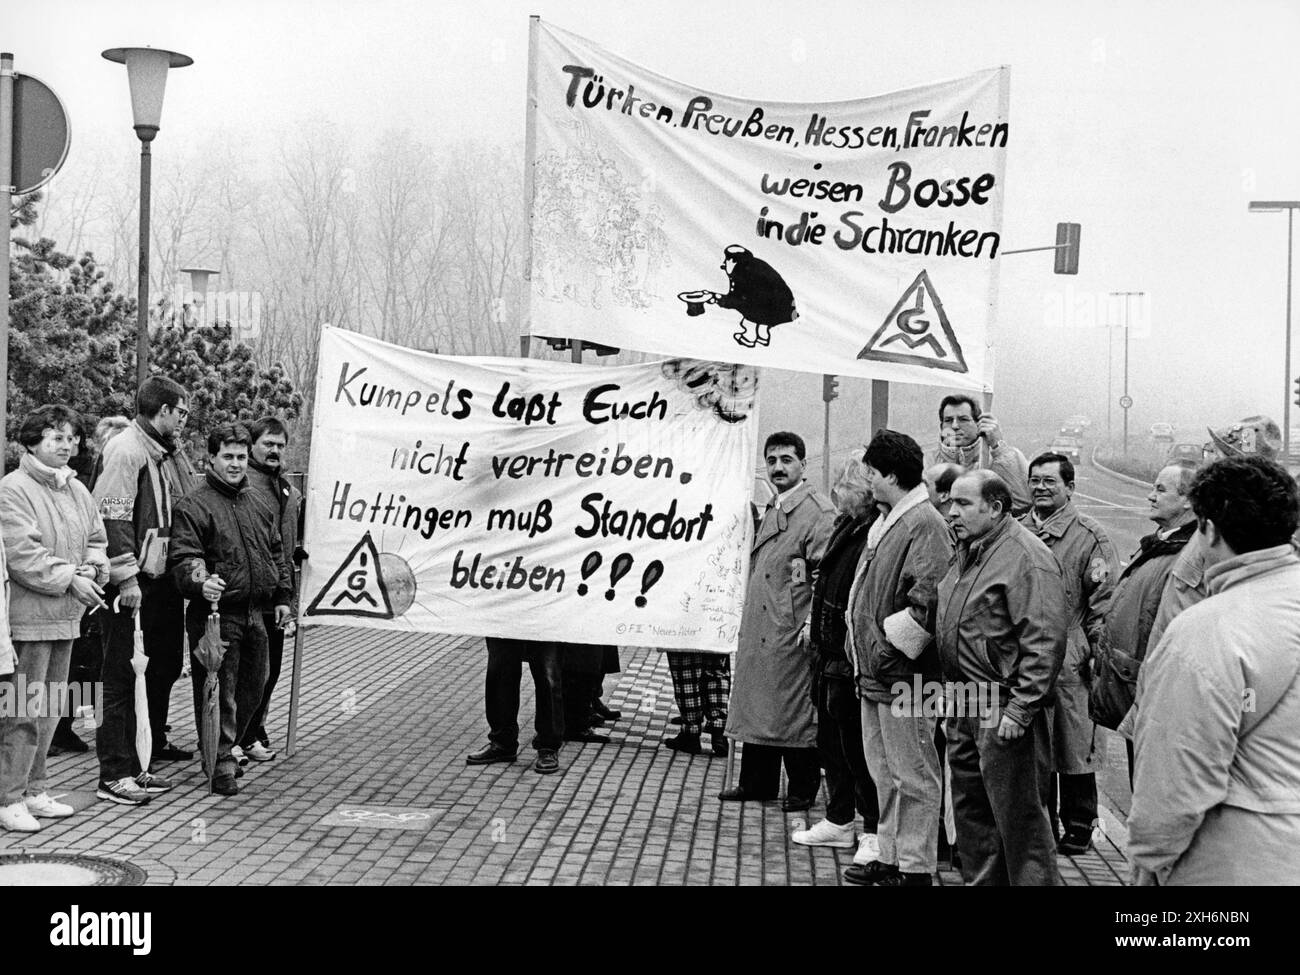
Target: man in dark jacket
265 477
226 549
1135 602
1001 629
891 618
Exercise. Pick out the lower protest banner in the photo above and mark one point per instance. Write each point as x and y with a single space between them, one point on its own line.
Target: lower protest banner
529 499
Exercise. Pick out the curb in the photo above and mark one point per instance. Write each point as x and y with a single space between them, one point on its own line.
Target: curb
1123 477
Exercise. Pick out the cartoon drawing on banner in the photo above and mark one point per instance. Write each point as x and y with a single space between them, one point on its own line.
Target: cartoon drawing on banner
358 588
755 290
596 238
911 325
727 390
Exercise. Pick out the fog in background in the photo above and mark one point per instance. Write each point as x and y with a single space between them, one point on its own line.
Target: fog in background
361 163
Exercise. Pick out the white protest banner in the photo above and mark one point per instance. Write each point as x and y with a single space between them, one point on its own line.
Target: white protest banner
529 499
856 237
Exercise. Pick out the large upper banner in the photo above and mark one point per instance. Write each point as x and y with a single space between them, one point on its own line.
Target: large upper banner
531 499
856 238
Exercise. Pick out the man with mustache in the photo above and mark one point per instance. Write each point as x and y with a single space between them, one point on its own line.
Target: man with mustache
265 478
1089 568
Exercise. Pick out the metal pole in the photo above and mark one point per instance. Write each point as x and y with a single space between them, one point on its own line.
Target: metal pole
1110 384
142 312
879 404
295 687
1286 391
1126 329
6 190
826 451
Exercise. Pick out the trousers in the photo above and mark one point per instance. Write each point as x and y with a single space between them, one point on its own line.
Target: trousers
504 669
1003 831
25 735
849 785
241 679
904 765
760 771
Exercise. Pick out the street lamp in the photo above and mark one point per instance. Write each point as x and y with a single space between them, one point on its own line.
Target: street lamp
1290 206
198 285
146 70
1125 402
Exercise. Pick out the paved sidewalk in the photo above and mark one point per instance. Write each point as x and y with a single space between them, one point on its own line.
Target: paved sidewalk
378 792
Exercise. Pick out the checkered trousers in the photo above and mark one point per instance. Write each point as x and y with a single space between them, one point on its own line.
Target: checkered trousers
702 686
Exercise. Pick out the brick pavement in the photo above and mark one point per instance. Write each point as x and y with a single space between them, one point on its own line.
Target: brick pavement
387 720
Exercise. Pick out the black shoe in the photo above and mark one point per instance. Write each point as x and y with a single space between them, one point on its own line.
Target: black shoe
609 714
795 804
492 753
906 880
239 772
1076 842
684 741
170 753
225 785
720 746
587 735
595 720
675 719
547 761
870 875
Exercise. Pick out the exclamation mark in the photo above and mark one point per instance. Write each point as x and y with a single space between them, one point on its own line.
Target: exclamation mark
653 572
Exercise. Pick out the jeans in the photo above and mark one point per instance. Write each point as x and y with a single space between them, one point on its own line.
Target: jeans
256 730
241 678
25 735
839 745
905 767
162 617
1002 828
504 669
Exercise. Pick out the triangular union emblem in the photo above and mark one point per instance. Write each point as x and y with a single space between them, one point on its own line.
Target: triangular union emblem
917 332
356 588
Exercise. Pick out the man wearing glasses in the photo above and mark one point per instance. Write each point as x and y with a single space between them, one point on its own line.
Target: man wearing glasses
145 473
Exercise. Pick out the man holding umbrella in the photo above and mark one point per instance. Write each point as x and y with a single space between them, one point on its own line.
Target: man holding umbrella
227 552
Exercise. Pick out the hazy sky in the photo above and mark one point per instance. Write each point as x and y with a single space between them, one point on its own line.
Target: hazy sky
1150 124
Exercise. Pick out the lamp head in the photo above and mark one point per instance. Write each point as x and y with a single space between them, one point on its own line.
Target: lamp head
146 70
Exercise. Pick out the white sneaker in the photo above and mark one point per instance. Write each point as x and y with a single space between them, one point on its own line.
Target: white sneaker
259 752
46 807
238 755
17 818
826 833
868 850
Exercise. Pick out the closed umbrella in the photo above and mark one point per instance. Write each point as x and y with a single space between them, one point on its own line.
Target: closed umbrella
139 662
209 653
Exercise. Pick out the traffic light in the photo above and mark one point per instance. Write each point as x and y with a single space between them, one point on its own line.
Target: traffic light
1297 391
1067 248
831 385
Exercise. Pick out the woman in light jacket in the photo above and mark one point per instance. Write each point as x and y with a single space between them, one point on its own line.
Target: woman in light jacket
55 550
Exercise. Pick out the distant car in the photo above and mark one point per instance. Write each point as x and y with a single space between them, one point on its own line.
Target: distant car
1071 432
1162 432
1069 446
1186 451
1078 420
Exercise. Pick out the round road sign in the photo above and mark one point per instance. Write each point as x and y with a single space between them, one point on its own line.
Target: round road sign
1125 402
41 134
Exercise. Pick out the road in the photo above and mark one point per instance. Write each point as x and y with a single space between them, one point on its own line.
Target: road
1121 507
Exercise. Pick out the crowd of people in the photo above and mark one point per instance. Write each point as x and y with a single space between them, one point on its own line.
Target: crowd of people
941 638
108 551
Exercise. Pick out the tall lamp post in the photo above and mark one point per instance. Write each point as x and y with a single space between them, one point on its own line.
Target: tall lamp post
146 70
1125 401
1290 206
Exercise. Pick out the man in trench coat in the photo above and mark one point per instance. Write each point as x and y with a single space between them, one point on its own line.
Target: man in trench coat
771 699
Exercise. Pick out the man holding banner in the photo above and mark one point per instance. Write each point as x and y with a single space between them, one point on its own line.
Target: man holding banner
771 702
